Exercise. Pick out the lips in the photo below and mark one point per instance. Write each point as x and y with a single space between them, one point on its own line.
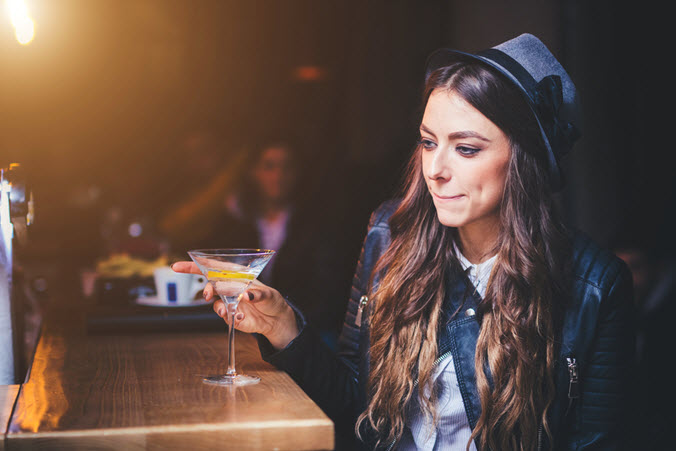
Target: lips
447 198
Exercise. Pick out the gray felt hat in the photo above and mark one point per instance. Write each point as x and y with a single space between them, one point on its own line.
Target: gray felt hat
548 89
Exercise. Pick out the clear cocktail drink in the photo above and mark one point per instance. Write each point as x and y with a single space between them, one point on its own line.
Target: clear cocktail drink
231 271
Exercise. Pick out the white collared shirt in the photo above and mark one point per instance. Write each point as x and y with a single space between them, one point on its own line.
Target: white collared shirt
478 274
452 431
271 235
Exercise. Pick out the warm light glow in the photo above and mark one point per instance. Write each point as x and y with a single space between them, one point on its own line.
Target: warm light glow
309 73
23 24
25 32
44 402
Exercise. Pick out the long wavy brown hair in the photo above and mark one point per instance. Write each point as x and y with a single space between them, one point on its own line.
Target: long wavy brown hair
521 312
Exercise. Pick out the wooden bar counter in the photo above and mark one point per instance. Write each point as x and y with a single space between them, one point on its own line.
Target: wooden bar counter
144 391
7 397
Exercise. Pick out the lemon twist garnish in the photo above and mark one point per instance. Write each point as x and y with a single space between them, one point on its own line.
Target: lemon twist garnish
214 274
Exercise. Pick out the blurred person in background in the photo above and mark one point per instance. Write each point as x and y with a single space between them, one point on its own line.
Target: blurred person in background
265 204
266 196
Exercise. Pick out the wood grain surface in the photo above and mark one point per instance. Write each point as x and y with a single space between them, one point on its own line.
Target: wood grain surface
8 395
145 391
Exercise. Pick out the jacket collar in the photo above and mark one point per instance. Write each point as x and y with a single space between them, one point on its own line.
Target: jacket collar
462 299
459 334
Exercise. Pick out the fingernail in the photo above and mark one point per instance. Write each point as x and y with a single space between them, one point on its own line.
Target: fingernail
250 296
205 294
221 311
239 316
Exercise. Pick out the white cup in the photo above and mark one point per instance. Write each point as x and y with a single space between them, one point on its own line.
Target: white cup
175 288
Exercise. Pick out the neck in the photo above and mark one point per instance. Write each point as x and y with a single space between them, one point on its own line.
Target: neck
271 210
478 241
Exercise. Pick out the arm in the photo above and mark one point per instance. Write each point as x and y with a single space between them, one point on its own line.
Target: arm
332 380
292 345
602 415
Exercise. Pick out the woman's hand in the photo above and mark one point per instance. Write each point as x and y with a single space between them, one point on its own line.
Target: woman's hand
261 309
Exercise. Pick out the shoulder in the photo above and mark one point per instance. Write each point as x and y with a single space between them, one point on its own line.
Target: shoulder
599 313
378 235
593 265
380 218
377 239
602 284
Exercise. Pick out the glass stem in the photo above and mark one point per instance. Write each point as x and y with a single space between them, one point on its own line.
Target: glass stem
231 310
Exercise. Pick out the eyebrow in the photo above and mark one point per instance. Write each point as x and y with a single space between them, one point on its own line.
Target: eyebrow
458 135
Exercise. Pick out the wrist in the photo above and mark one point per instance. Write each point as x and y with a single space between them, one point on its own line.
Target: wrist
285 329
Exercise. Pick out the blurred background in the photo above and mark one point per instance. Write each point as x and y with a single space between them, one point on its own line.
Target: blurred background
110 105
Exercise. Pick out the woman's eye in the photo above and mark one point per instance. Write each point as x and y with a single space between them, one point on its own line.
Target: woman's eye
466 151
427 144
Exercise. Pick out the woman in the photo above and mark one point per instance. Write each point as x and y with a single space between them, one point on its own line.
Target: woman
280 211
265 200
476 321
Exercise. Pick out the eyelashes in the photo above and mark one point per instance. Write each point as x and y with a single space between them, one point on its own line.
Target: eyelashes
467 151
464 150
426 143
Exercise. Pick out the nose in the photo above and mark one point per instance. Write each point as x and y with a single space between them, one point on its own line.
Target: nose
440 168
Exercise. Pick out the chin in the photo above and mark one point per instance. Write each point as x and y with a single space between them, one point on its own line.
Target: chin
449 220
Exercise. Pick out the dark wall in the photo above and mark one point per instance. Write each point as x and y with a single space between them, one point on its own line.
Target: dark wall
621 188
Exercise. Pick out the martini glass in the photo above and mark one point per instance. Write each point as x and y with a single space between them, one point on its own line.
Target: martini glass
231 271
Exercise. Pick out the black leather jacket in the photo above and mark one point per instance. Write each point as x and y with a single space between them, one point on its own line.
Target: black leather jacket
592 375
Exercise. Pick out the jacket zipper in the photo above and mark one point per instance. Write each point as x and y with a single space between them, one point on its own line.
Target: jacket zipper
417 380
362 304
434 364
573 391
573 382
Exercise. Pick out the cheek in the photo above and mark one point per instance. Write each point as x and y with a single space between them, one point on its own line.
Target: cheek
423 165
426 166
484 184
495 185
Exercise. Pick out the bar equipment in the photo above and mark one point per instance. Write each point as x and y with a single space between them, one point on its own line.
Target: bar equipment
16 216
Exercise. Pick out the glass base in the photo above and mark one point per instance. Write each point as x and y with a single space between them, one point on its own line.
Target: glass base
224 379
